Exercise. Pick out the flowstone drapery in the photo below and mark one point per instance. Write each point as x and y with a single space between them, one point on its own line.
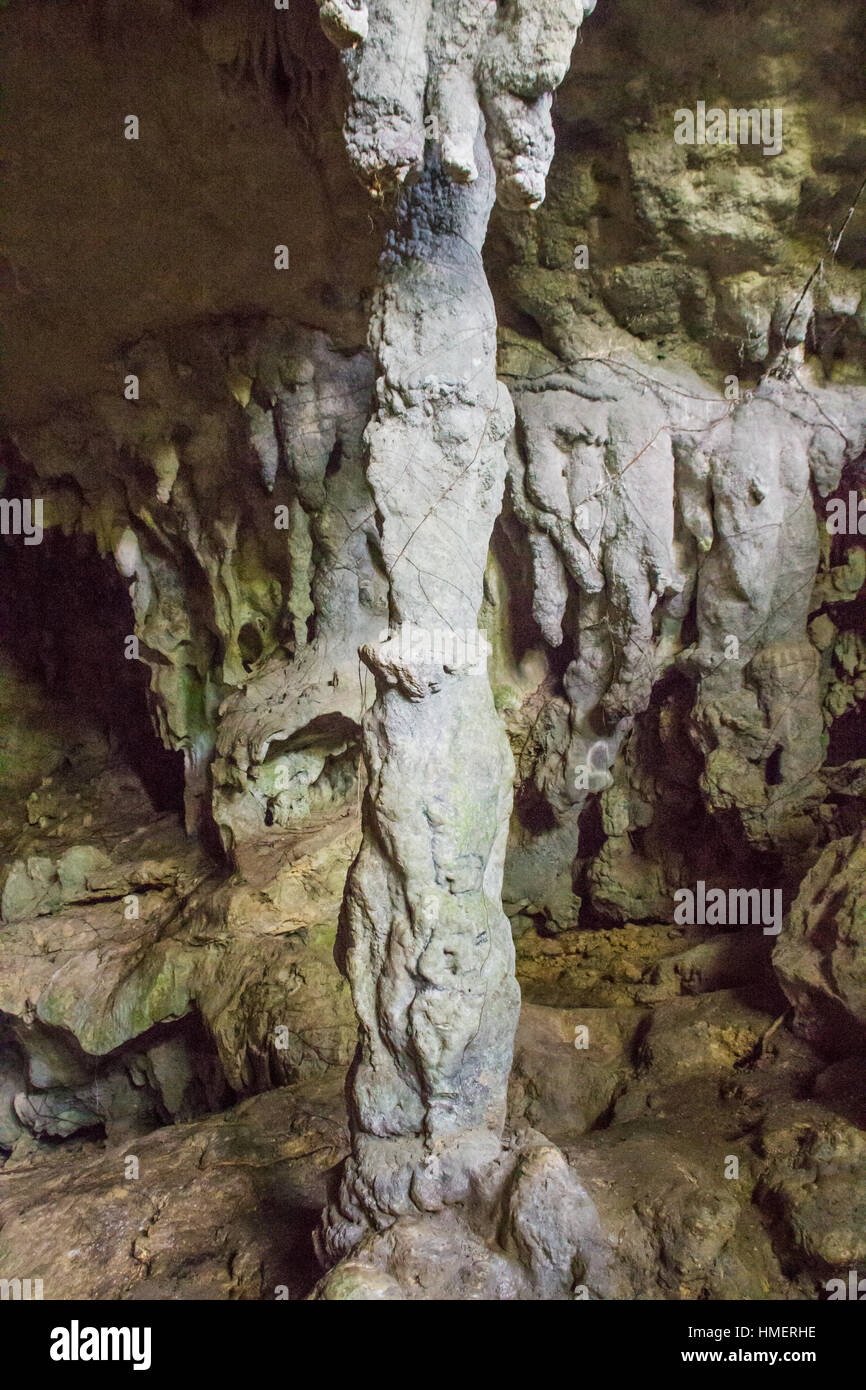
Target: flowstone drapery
425 942
660 501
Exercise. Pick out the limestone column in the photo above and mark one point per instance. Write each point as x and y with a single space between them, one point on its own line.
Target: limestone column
423 938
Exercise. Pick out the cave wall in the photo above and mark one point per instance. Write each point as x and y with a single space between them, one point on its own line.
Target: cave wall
673 634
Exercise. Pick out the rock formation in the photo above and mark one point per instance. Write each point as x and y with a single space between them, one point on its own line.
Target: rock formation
452 560
426 945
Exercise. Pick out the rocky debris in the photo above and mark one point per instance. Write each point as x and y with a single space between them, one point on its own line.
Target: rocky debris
712 1177
670 1224
679 1121
713 1034
720 962
596 968
100 986
218 1208
811 1195
650 1112
726 1184
638 964
570 1066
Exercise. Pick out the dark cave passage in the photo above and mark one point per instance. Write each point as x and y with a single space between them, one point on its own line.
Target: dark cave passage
64 616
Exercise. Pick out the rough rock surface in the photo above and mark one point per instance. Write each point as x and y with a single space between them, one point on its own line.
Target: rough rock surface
821 956
653 498
327 533
140 984
220 1208
447 69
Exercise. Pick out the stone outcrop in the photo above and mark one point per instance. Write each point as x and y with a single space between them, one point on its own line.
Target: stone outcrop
647 504
139 985
820 958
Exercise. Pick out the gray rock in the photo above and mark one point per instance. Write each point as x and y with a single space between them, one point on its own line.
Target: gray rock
820 957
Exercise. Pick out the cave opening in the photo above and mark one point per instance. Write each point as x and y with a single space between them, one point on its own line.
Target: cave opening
65 614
